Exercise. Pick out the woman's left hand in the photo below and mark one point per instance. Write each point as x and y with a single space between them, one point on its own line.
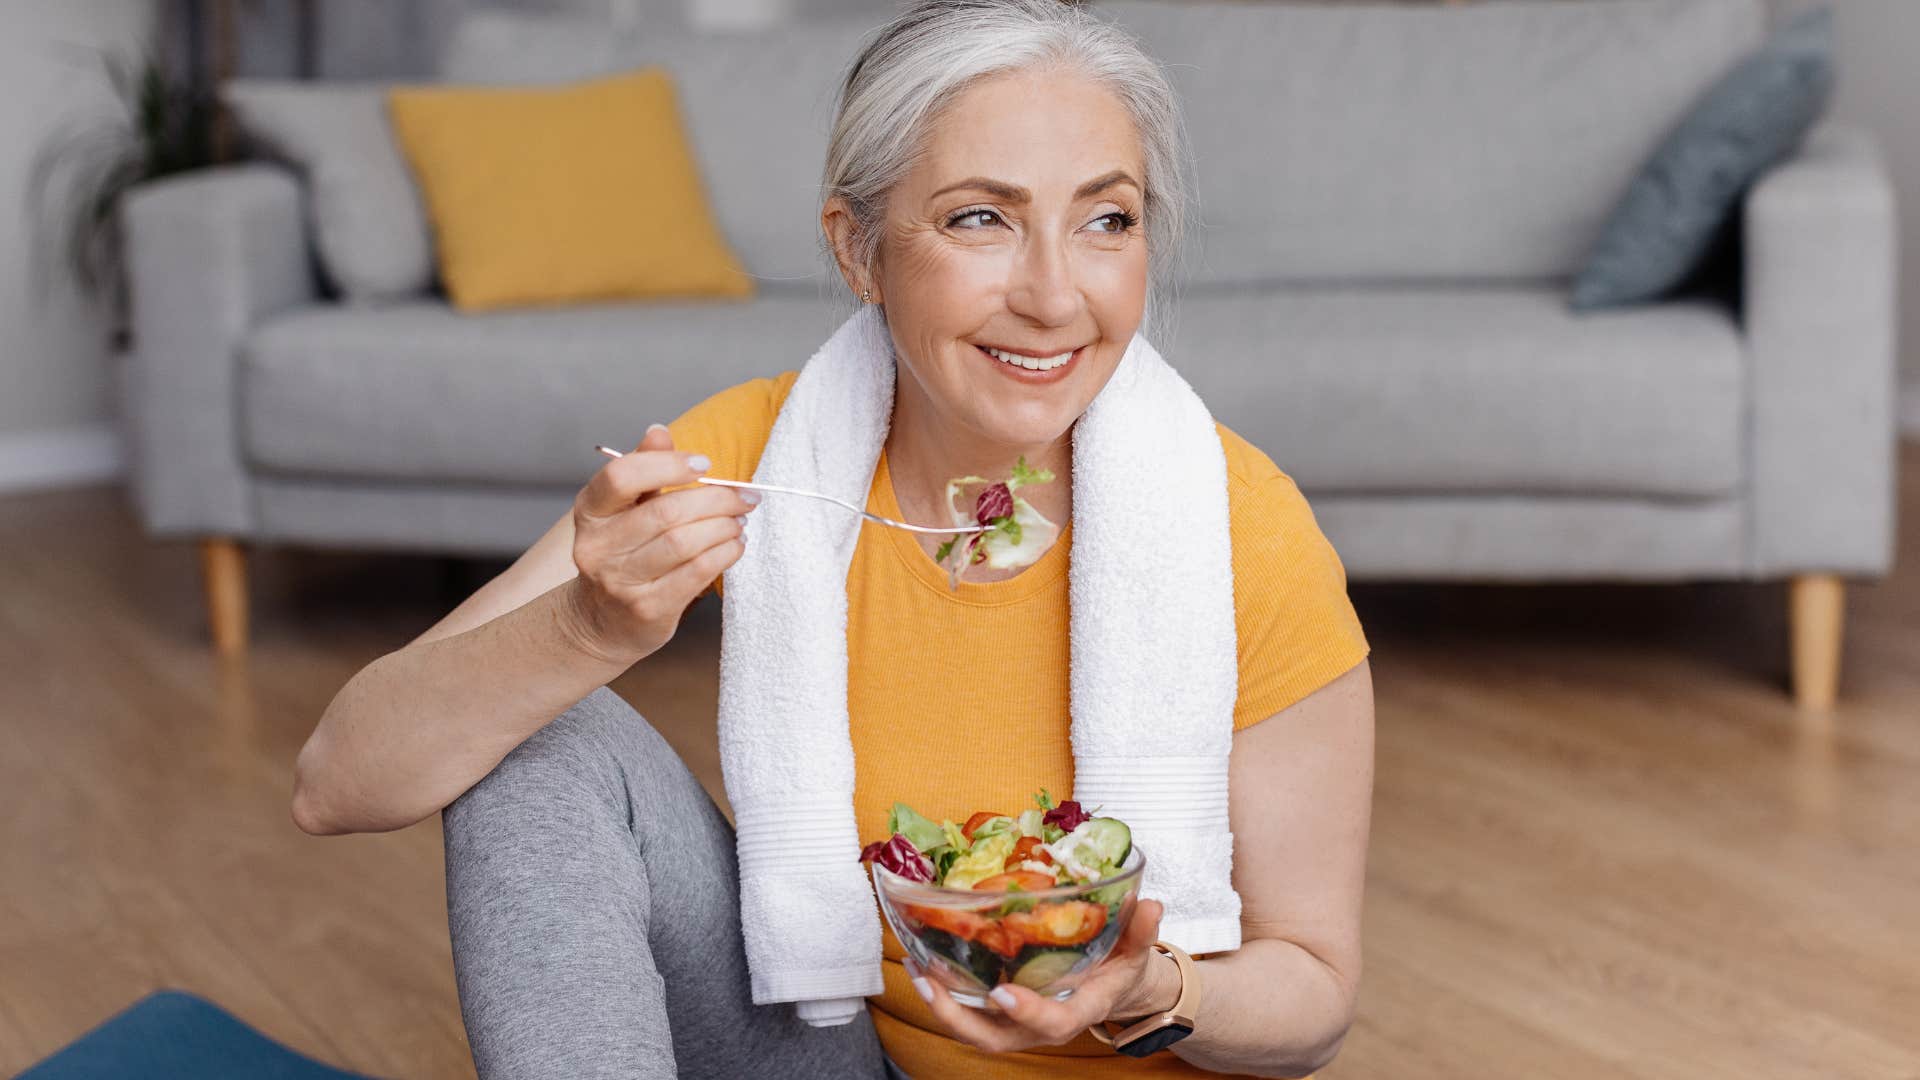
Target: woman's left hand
1121 987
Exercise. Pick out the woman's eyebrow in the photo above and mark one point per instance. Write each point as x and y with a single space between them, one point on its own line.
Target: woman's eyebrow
1101 183
1014 193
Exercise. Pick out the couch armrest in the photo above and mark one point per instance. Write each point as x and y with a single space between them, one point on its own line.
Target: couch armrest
1820 312
209 255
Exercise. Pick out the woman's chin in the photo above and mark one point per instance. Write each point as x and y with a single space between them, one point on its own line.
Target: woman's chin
1028 408
1027 429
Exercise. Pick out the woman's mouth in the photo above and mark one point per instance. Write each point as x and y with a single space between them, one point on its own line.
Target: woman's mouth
1029 368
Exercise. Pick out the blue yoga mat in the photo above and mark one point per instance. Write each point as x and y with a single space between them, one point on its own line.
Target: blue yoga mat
176 1036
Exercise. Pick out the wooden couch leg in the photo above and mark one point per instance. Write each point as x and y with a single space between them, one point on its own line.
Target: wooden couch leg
1816 613
223 565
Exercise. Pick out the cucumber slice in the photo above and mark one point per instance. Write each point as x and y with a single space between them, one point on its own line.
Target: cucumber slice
1108 838
969 958
1044 967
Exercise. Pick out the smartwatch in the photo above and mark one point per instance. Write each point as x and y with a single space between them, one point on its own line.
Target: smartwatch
1157 1032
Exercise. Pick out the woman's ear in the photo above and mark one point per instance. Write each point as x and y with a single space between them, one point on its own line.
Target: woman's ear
836 220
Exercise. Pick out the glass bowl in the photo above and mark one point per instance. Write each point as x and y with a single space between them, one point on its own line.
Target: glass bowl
1047 941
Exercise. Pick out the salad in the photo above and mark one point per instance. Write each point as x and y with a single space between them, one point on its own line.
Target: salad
1017 535
1083 864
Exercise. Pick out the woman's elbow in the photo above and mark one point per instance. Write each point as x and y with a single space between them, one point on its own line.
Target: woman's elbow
310 812
309 818
1324 1054
1299 1062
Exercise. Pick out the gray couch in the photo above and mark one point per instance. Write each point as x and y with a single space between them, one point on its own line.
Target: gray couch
1394 200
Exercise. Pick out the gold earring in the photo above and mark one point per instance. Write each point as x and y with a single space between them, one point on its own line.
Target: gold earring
866 297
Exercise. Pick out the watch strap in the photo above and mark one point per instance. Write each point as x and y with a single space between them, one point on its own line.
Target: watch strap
1161 1030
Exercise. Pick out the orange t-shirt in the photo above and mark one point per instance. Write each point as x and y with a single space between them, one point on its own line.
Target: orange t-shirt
958 701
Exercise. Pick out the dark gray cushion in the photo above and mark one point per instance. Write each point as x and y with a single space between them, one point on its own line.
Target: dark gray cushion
1675 209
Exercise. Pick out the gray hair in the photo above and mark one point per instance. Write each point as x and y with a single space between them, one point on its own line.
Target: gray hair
917 64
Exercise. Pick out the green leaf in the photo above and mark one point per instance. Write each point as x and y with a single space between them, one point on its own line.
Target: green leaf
1023 474
923 834
946 549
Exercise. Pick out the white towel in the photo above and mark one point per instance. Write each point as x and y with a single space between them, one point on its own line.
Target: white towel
1154 670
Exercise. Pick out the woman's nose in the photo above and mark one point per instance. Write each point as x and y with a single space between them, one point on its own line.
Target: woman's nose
1042 286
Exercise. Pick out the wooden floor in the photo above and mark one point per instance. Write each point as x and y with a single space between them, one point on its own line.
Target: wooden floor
1604 844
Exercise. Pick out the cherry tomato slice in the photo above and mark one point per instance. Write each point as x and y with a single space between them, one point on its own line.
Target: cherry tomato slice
965 925
976 821
1023 880
1070 922
1027 849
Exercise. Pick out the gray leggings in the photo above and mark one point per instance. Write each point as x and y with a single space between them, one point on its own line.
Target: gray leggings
594 907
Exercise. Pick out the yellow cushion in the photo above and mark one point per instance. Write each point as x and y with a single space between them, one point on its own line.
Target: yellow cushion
546 195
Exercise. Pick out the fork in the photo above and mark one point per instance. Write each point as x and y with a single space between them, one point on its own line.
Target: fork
953 530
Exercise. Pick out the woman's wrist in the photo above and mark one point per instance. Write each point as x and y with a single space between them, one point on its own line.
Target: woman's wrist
583 626
1157 991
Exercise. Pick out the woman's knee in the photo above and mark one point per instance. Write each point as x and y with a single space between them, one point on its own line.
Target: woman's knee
573 757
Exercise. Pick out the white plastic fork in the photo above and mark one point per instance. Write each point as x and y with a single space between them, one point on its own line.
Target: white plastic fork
949 530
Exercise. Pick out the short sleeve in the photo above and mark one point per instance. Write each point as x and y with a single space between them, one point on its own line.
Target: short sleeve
732 426
1297 629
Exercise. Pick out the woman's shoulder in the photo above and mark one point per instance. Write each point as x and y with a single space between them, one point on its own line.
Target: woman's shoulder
1297 630
732 426
1270 520
1253 480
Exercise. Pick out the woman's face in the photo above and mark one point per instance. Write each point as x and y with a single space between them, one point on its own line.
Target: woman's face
1017 231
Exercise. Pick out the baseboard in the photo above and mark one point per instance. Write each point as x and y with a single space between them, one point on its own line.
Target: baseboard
60 457
1910 409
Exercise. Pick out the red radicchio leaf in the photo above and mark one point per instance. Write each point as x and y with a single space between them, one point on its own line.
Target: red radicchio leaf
994 502
1067 815
900 856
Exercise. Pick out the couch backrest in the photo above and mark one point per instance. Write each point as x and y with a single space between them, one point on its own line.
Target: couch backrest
757 107
1332 141
1362 141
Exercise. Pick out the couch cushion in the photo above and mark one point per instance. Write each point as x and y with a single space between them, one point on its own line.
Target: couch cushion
1472 390
418 392
1349 390
564 194
1376 141
1678 207
757 107
371 233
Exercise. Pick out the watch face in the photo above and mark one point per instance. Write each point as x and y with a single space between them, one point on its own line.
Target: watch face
1155 1041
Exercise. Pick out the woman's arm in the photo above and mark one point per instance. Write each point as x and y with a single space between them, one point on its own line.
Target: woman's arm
1300 799
603 588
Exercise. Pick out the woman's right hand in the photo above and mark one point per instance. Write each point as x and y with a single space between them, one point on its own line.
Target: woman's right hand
644 555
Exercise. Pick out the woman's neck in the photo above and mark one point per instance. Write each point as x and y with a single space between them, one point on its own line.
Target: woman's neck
926 449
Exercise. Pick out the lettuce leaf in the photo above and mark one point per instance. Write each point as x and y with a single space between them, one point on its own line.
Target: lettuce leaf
923 834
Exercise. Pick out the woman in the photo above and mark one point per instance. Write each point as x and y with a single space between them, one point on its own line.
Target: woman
1002 175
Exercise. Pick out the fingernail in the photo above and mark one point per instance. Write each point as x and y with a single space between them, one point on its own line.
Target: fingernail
1002 997
924 989
698 462
751 498
742 519
651 428
913 968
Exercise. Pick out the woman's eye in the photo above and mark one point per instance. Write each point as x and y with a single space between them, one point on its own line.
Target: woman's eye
964 216
1116 222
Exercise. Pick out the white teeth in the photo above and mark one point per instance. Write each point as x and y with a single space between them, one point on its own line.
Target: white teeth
1031 363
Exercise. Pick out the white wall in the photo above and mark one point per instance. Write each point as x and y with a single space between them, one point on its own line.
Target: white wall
55 416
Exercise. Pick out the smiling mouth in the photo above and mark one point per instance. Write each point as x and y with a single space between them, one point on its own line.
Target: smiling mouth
1031 363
